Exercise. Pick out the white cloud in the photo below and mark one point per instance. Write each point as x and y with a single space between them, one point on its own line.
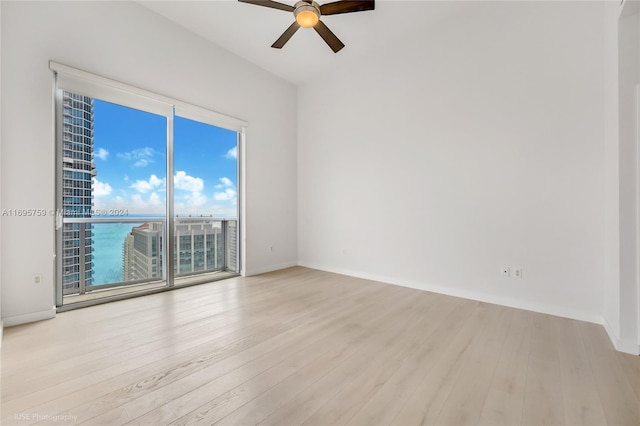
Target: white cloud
101 153
144 186
196 199
141 156
225 183
154 199
228 194
192 201
101 189
187 183
232 153
134 204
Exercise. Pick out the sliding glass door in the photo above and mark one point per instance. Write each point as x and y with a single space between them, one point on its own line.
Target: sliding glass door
147 195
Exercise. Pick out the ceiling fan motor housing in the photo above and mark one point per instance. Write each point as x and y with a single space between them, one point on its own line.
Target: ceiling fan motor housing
304 7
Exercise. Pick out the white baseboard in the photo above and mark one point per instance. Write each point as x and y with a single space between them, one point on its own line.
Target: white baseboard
613 336
625 346
467 294
270 268
32 317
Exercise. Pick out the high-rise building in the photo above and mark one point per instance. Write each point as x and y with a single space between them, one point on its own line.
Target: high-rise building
232 245
198 247
127 258
78 171
142 252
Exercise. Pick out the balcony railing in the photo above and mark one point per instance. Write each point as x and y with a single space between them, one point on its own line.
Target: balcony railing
119 252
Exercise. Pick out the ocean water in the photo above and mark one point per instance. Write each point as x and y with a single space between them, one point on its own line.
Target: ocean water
108 240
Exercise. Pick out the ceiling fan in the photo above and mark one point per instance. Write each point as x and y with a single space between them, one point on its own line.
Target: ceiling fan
307 14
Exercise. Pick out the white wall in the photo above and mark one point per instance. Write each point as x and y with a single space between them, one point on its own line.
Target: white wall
612 189
1 323
622 76
126 42
628 169
475 145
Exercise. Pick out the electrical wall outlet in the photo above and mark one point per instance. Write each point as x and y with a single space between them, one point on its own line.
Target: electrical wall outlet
505 271
517 272
37 278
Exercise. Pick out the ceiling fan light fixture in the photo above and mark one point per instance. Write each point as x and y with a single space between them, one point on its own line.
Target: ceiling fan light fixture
307 14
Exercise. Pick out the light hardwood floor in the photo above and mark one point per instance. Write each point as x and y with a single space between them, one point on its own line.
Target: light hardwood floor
301 346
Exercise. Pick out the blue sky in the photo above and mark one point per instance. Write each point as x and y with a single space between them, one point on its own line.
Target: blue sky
130 157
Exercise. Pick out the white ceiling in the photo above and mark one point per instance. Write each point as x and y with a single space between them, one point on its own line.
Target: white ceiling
249 30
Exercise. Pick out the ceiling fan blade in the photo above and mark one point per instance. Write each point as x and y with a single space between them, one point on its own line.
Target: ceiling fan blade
271 4
286 35
334 42
347 7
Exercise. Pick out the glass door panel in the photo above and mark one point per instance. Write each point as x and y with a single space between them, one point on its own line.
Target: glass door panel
112 198
204 201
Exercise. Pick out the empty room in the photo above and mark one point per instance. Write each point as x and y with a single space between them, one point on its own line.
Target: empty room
320 213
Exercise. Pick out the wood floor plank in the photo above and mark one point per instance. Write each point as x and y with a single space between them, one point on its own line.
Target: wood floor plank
301 346
436 325
271 389
428 398
144 310
214 380
183 341
59 345
305 404
619 402
543 399
92 400
581 401
631 364
465 402
503 405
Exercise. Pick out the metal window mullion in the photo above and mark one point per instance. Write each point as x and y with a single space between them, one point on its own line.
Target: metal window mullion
204 249
58 227
240 207
225 247
169 229
216 247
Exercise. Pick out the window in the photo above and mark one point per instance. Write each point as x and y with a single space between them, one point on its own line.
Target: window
134 170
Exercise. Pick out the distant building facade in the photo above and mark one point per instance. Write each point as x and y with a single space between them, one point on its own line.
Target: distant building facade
199 247
78 171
